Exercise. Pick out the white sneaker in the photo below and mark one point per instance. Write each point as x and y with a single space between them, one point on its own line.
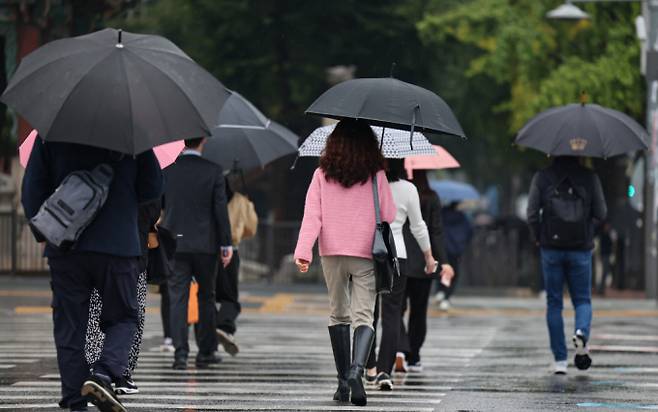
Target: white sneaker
560 367
445 305
439 297
167 345
415 368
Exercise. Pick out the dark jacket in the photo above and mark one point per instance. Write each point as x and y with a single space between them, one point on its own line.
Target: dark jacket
147 216
430 208
540 190
457 230
136 180
195 205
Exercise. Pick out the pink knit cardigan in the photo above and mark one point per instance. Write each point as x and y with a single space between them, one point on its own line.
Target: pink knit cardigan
343 218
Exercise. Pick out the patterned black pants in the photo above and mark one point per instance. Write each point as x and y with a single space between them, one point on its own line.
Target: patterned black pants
96 337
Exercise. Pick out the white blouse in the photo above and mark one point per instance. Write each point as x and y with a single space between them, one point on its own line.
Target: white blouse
407 201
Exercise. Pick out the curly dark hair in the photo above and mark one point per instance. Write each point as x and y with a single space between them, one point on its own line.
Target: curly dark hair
352 154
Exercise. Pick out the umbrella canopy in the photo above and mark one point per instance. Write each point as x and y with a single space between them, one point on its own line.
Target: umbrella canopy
166 153
244 138
120 91
451 191
441 159
396 142
390 103
586 130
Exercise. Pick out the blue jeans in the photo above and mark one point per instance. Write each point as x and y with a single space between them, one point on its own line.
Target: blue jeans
574 267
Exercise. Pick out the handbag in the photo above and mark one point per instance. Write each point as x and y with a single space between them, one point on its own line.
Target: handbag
384 254
193 304
160 265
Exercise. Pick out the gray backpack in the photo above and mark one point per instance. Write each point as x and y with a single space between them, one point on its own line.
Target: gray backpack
66 213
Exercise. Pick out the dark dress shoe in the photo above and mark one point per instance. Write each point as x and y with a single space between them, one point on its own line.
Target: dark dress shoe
180 364
204 361
98 391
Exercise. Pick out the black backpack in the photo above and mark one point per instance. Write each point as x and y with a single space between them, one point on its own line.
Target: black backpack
565 216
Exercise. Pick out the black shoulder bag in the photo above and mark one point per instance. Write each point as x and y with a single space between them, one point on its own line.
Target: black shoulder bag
384 255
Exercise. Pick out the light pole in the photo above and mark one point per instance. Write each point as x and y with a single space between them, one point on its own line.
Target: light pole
647 30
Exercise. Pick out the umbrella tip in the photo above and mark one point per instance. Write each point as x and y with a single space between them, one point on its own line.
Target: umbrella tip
393 69
119 45
583 98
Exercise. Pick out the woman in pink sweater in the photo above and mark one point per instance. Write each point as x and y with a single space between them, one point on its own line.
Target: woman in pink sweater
340 212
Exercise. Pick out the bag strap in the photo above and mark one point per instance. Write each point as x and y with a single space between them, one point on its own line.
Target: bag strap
375 193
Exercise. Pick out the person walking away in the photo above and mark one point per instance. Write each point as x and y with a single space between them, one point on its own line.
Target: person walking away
564 205
340 211
147 216
606 249
105 257
407 202
195 212
244 223
458 233
419 283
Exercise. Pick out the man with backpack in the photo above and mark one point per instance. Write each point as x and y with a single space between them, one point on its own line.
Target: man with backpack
565 203
83 202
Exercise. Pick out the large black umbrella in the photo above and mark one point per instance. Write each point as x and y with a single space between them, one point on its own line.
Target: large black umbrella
390 103
121 91
586 130
244 138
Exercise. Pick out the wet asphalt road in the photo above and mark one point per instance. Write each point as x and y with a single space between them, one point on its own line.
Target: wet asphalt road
487 355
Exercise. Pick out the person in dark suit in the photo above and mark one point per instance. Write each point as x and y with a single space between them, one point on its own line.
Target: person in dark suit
105 257
195 212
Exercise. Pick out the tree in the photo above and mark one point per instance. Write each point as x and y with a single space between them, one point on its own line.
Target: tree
276 53
511 62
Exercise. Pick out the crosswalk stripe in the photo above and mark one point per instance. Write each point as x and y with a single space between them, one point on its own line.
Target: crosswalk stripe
282 372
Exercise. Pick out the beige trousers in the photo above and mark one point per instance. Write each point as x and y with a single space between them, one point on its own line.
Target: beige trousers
351 302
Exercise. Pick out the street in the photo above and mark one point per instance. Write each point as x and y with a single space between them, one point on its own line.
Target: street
488 354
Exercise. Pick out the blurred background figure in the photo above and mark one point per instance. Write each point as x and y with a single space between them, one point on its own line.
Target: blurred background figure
607 238
458 232
244 223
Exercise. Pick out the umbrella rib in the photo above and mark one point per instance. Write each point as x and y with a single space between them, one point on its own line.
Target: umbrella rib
46 65
74 88
623 121
557 141
599 135
179 87
130 105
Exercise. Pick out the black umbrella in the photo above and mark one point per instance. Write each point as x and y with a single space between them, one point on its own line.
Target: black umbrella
390 103
244 138
587 130
121 91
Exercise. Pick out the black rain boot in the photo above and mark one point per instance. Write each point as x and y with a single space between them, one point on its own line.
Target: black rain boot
340 343
363 338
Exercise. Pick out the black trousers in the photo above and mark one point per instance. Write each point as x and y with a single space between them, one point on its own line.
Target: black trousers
203 267
391 307
227 295
164 310
417 294
74 276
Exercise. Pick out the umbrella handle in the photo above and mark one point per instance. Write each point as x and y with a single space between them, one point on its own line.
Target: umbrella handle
413 126
294 164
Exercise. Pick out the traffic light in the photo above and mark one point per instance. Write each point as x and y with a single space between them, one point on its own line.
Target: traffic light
631 190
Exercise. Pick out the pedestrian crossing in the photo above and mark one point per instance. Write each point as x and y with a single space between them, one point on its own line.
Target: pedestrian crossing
285 363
